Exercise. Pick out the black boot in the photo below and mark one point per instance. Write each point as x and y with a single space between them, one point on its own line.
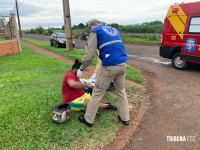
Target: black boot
111 107
126 123
111 87
82 120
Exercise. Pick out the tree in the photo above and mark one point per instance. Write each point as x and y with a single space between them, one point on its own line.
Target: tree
115 25
146 27
81 25
2 22
74 27
50 30
39 30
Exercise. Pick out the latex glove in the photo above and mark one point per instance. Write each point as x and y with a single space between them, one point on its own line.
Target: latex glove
79 73
87 81
93 76
82 80
94 80
92 84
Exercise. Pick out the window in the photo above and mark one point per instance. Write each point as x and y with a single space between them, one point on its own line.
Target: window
194 25
61 35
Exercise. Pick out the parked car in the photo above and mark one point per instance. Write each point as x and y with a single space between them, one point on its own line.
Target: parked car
58 39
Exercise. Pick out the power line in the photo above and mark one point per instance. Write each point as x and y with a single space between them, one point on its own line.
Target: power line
4 16
21 3
14 9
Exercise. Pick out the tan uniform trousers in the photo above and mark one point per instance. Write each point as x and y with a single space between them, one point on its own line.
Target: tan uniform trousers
106 75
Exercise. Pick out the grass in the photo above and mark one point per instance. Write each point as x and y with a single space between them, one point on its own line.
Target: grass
132 73
30 87
3 38
142 39
133 38
131 91
74 54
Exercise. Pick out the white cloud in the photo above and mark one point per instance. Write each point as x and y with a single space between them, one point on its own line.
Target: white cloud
49 13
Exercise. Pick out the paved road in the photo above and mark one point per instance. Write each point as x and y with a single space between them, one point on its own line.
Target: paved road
173 114
37 37
148 53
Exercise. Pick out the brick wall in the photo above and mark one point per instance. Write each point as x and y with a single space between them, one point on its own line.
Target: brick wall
9 47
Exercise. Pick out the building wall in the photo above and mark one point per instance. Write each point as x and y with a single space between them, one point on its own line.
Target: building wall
9 47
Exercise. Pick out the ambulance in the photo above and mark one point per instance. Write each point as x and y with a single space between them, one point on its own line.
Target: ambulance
181 35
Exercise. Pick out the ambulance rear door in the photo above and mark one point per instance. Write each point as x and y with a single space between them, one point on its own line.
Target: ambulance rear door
190 49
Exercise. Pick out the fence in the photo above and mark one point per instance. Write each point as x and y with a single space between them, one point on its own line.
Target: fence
10 30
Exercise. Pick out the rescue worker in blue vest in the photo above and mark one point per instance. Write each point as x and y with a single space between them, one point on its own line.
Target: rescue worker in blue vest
113 56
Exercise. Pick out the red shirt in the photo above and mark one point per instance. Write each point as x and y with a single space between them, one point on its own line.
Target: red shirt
69 94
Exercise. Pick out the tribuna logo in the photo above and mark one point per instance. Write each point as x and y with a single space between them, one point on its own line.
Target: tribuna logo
180 138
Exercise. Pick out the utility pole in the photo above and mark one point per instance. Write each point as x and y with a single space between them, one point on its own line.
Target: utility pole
20 31
67 24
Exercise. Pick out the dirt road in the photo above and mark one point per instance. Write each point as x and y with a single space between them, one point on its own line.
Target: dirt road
172 121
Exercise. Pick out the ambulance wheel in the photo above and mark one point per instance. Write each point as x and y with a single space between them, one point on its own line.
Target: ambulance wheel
179 64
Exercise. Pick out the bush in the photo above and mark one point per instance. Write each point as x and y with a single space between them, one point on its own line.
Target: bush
50 30
32 31
39 30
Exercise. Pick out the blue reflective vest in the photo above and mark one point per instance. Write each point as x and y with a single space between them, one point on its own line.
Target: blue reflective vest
110 46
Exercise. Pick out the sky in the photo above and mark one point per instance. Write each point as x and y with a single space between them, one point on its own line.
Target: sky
49 13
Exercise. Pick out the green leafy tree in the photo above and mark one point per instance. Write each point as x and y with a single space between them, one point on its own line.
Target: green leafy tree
74 27
115 25
31 31
39 30
50 30
81 26
146 27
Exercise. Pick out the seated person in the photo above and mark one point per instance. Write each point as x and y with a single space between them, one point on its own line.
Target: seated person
73 93
83 36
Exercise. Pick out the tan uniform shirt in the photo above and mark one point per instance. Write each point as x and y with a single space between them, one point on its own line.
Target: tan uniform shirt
98 65
90 52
